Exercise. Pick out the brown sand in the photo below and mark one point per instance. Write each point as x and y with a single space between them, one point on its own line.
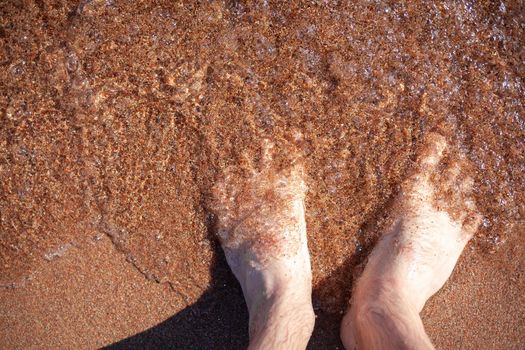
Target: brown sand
117 116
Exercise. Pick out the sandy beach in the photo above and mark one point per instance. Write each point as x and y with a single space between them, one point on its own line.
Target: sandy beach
117 117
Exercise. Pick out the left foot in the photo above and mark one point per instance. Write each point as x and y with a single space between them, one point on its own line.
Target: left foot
262 229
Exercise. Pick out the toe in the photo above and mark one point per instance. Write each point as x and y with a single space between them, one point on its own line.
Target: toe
267 153
452 173
466 185
433 150
471 224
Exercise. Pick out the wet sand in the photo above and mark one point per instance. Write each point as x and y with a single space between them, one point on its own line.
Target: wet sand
92 297
117 117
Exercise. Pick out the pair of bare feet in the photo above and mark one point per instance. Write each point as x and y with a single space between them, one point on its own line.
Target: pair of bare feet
261 225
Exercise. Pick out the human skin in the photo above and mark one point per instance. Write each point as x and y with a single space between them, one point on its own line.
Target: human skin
413 260
262 229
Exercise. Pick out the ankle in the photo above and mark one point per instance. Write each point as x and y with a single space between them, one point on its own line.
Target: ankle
391 291
387 319
283 319
280 302
282 323
279 281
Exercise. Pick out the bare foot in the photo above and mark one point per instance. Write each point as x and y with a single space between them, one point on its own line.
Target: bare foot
262 230
413 259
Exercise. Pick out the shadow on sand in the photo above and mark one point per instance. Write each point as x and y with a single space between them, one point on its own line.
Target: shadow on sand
219 319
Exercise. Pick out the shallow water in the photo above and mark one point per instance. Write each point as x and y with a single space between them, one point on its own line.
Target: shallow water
118 116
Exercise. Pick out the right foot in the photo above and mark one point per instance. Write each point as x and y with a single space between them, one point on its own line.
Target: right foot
413 259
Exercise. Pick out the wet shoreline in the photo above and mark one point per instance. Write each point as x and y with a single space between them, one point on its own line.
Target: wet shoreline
117 117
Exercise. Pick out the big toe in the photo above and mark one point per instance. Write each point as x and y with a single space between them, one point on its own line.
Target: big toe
433 149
